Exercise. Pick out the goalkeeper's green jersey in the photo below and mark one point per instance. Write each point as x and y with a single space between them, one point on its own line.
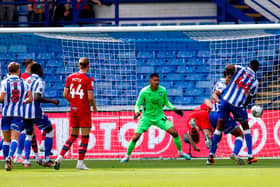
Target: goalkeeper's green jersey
153 102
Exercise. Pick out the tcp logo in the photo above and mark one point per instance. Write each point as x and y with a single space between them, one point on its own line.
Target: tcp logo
259 135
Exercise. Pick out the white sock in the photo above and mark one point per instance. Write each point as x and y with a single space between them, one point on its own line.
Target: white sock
59 158
36 155
47 158
80 162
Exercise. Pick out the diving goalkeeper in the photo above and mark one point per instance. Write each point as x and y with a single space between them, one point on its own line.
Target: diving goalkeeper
154 98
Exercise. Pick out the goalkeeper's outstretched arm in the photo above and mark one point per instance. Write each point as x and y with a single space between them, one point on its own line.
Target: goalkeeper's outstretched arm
138 104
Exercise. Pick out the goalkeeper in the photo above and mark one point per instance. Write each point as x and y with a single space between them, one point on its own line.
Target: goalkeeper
154 98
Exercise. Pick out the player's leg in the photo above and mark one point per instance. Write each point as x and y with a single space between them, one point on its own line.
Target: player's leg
20 147
131 145
28 125
241 115
35 146
142 126
74 124
166 125
207 137
16 127
237 132
83 148
42 145
5 126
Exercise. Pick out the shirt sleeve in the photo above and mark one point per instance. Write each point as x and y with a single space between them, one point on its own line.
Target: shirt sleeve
40 88
3 88
220 86
167 102
254 89
67 84
139 102
90 84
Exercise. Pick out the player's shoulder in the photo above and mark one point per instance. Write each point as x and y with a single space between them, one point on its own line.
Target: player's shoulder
161 88
145 89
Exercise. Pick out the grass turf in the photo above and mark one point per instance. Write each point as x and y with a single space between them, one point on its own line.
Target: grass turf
164 173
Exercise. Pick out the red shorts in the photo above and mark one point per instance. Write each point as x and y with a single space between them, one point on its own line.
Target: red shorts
201 119
82 120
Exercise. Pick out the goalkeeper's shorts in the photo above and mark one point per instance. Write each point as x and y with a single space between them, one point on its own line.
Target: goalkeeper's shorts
144 124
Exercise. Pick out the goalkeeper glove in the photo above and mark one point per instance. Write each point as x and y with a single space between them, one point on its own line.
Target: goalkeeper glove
136 115
179 112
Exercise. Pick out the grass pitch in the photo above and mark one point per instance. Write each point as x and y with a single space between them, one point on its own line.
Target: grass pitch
163 173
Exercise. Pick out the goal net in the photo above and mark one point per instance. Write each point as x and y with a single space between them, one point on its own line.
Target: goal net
189 60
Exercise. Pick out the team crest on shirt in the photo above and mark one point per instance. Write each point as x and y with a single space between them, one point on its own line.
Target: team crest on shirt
160 93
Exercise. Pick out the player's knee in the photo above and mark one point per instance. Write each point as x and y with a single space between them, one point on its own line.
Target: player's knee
49 131
136 137
173 132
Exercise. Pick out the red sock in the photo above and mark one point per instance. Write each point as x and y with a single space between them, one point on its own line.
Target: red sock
68 144
43 135
83 147
34 144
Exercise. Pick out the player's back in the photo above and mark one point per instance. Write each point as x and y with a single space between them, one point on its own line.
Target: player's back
79 84
33 110
16 92
242 84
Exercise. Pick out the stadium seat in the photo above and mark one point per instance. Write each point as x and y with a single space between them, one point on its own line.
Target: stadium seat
198 100
203 53
17 49
175 92
166 54
24 56
167 84
3 49
46 56
145 69
203 84
51 93
186 54
193 91
183 84
154 62
185 69
166 69
173 76
146 54
183 100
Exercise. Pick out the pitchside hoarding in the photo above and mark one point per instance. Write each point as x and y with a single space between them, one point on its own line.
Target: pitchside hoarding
111 132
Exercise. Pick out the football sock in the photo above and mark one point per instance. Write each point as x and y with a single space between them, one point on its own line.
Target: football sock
177 142
21 141
215 141
48 146
27 146
43 135
68 144
248 139
130 148
13 148
237 145
34 144
6 148
83 147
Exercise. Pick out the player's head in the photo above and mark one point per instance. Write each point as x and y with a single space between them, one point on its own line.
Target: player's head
37 69
27 64
254 65
154 80
227 77
14 68
84 64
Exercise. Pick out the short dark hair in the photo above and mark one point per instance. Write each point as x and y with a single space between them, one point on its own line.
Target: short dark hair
27 62
13 67
35 68
83 62
254 65
154 75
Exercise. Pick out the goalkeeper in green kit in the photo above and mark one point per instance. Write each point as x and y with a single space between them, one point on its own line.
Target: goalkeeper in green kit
154 98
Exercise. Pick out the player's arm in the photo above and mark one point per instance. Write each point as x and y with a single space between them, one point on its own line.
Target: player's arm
139 102
40 99
92 100
2 92
66 94
192 143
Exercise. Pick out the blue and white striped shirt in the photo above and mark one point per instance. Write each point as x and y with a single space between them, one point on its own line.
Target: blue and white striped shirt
34 110
15 90
242 84
219 86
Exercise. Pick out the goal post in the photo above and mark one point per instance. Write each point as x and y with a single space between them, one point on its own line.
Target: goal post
189 60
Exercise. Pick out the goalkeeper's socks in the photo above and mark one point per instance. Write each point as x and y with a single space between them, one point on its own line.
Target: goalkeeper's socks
237 145
34 144
83 147
248 139
177 142
13 148
21 141
48 146
215 141
130 148
6 148
27 146
68 144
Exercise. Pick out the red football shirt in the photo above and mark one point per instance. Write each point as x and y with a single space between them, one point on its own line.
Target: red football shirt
201 119
79 84
25 75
